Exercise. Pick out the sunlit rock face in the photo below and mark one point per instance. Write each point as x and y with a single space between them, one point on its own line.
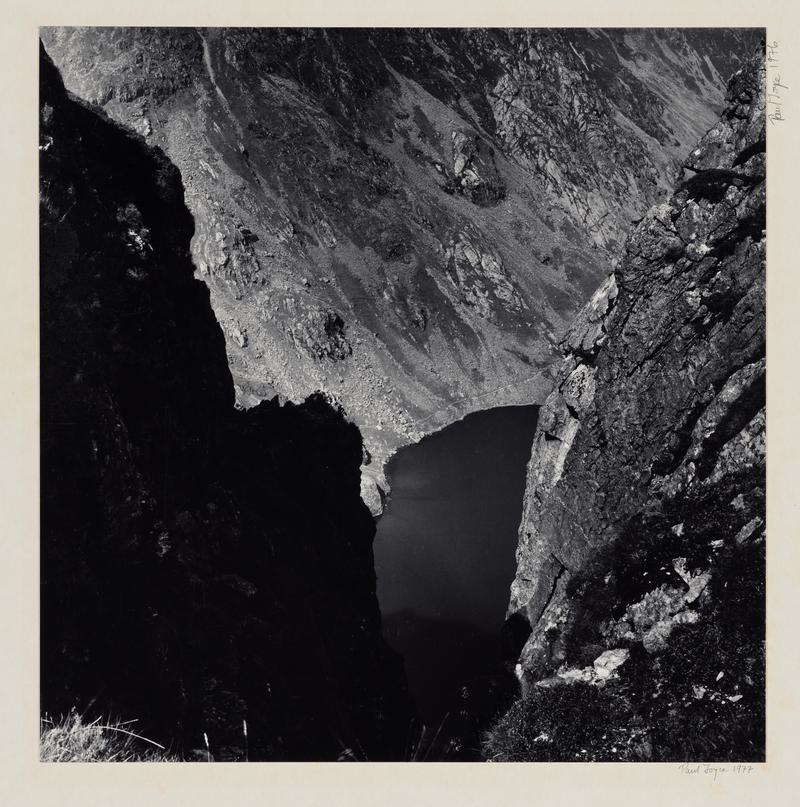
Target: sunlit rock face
407 220
643 523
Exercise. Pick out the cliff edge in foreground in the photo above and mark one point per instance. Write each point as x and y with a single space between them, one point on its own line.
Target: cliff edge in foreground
639 593
203 568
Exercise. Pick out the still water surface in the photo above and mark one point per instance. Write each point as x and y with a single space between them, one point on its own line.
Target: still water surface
444 557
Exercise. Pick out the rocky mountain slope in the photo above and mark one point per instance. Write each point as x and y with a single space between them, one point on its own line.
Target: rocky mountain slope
638 602
202 566
407 220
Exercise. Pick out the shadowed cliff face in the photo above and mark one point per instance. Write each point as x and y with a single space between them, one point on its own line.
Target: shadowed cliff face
406 219
639 592
201 566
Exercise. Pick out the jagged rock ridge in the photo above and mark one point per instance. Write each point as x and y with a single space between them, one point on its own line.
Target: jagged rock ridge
639 592
201 566
407 219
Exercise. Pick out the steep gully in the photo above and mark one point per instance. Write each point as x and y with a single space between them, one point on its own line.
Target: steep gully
558 574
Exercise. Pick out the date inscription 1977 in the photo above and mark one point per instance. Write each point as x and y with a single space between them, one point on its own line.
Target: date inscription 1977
715 771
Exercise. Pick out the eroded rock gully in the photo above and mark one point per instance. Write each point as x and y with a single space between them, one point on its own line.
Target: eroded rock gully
642 537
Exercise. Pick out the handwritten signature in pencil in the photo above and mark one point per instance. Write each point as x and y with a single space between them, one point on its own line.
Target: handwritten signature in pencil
775 87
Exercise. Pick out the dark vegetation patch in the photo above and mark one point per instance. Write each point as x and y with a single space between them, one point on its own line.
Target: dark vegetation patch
702 699
427 131
578 723
691 84
642 558
519 355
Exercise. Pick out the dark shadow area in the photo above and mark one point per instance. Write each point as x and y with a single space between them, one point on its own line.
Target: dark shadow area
202 568
459 681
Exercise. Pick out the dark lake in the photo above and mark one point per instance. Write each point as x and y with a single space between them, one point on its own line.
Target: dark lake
444 557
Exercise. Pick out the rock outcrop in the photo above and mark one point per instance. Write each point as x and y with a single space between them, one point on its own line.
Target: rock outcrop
202 566
450 196
643 527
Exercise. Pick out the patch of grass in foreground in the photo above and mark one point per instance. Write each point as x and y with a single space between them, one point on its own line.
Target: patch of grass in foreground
70 739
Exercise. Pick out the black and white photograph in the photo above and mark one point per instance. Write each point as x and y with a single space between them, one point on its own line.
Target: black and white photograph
403 394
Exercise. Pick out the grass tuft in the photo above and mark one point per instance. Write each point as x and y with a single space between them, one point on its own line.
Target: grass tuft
71 739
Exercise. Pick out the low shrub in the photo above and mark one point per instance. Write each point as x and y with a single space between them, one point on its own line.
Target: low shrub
568 723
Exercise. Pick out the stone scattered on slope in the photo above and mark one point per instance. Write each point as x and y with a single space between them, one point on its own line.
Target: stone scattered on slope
450 196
